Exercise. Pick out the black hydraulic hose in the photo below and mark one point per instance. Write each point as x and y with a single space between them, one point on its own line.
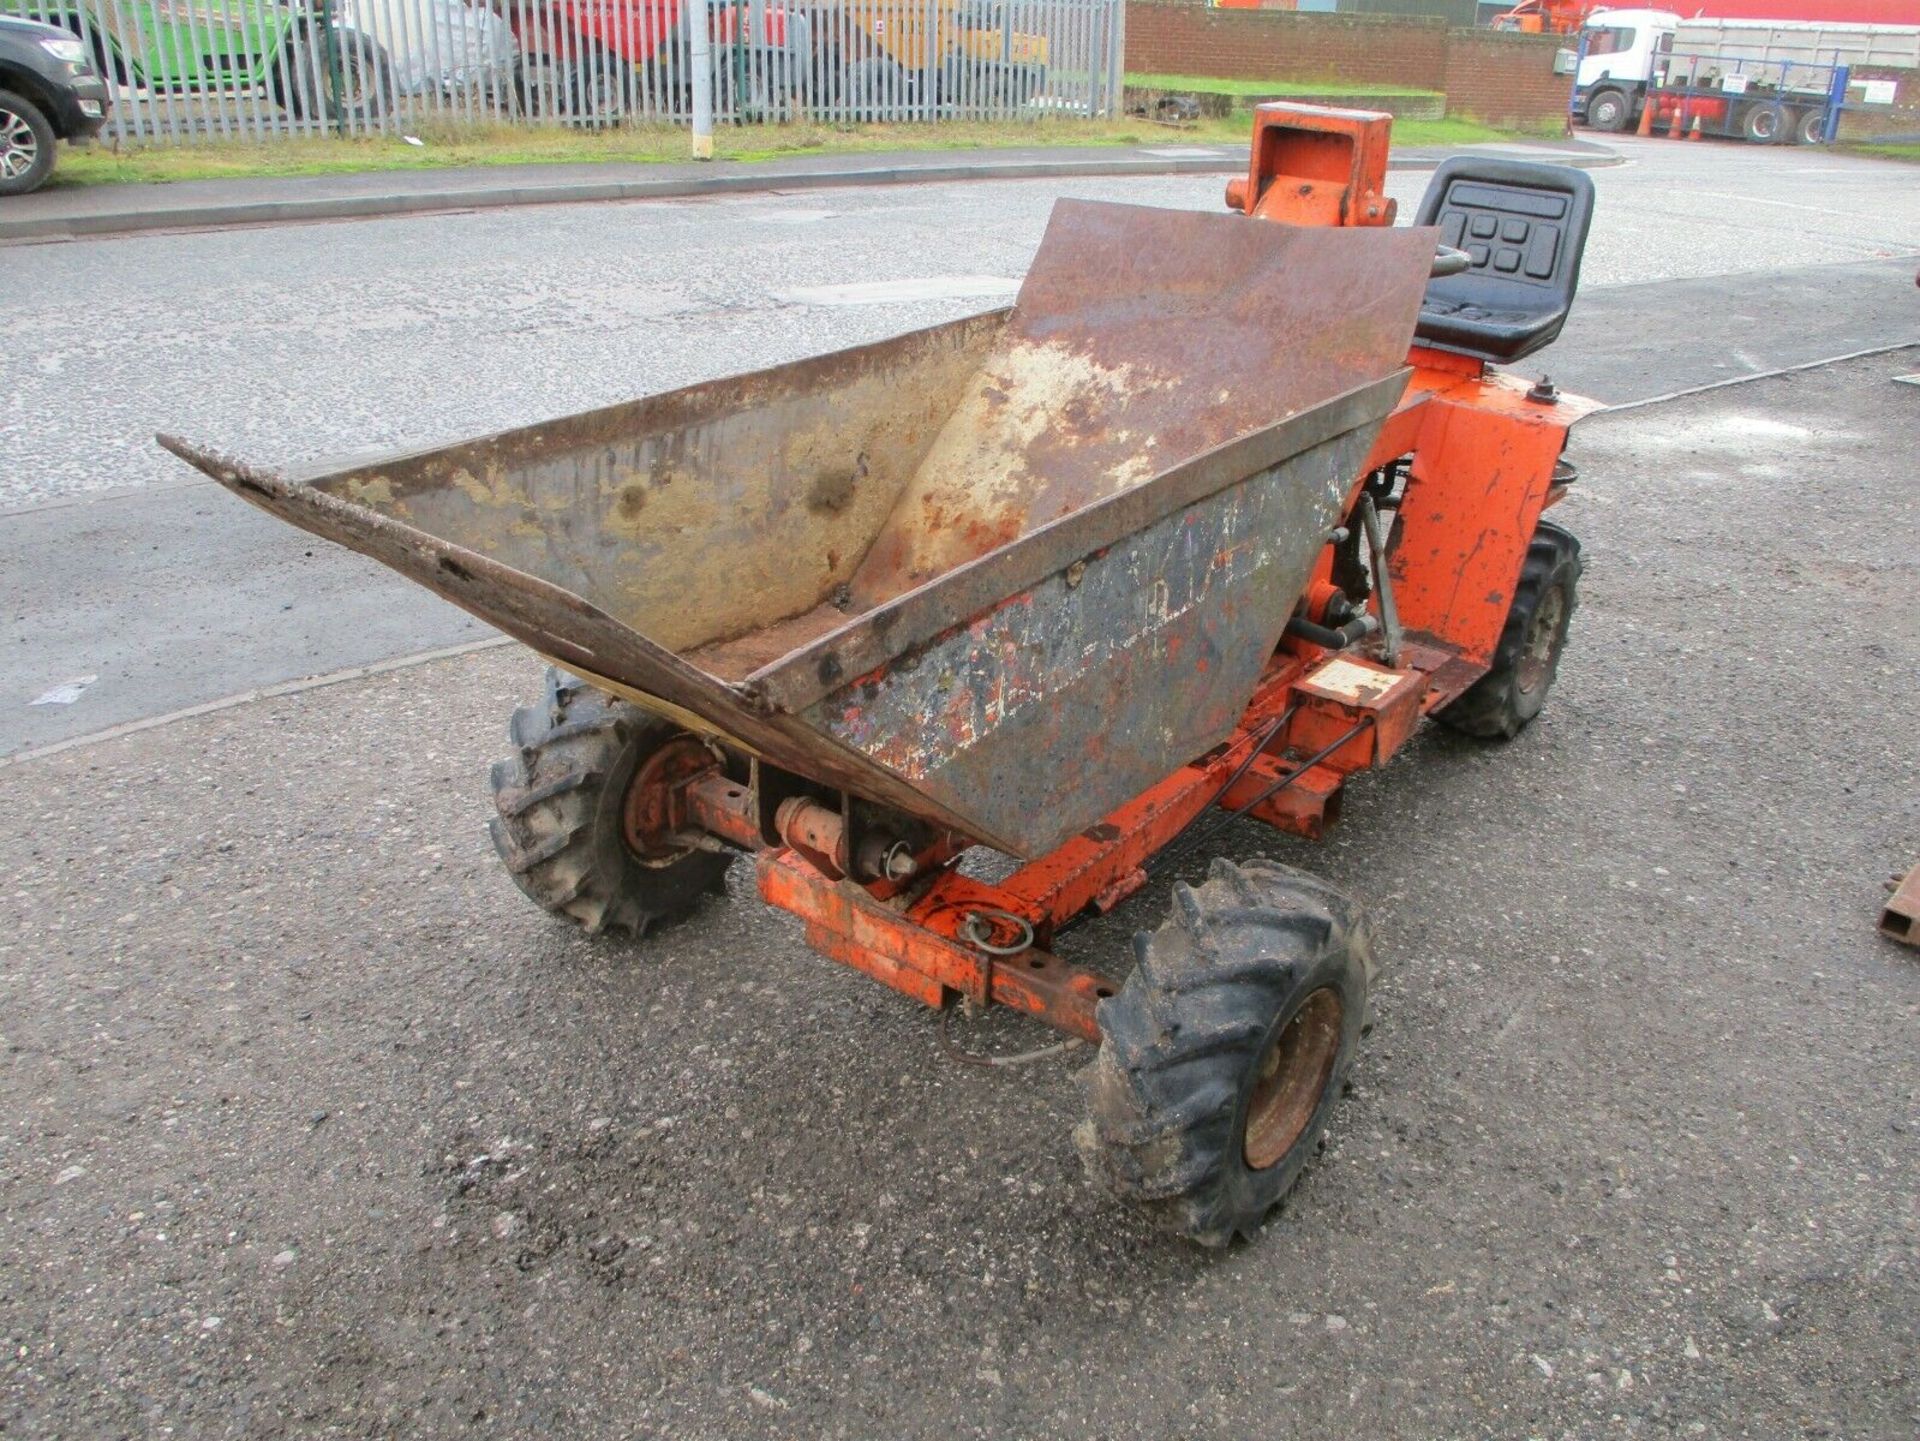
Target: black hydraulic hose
1333 637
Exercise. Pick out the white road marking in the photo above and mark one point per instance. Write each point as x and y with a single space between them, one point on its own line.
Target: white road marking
248 697
1783 204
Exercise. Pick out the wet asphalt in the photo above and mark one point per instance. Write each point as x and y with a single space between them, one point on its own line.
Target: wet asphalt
314 1127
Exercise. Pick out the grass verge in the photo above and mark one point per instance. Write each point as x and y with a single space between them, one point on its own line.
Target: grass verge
1908 150
443 148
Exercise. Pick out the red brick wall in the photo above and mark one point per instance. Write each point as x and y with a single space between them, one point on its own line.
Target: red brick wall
1494 76
1190 39
1505 78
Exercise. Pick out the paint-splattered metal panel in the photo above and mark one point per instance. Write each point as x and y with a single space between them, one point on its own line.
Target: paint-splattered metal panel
1041 716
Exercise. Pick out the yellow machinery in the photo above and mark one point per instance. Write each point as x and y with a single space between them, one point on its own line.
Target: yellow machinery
883 56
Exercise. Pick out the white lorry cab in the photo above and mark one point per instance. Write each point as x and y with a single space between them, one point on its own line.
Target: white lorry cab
1764 81
1617 58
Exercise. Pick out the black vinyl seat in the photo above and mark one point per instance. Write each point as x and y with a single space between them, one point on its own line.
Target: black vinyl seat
1523 226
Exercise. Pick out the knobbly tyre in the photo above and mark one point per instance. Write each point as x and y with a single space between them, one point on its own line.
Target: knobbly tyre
1208 520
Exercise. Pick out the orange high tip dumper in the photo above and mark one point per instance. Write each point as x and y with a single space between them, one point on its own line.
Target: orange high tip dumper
1208 520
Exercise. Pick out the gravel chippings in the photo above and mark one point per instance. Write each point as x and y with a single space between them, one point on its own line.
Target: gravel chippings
313 1127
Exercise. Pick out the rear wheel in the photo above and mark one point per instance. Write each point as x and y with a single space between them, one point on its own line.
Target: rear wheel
566 829
1525 661
1811 127
1607 111
1223 1055
600 88
26 145
1764 124
304 87
590 89
543 86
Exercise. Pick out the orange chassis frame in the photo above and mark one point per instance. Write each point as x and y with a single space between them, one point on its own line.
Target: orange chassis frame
1482 449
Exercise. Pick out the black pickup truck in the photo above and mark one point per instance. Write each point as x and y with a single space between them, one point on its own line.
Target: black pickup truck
49 92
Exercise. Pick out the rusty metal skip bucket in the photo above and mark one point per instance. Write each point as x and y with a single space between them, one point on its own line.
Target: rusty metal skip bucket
1003 573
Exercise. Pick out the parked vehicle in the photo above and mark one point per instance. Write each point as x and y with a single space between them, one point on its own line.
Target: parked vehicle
1757 80
947 53
444 46
601 59
840 58
1546 17
251 46
1566 17
49 92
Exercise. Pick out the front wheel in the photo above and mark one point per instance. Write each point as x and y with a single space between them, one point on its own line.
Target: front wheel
1607 111
1764 124
1223 1055
568 828
1527 657
26 145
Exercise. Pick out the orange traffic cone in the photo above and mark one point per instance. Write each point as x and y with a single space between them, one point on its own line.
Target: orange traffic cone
1694 134
1678 129
1646 119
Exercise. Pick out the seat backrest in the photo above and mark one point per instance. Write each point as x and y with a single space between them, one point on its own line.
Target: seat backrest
1523 226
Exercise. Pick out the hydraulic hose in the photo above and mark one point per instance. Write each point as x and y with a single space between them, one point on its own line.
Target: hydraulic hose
1334 637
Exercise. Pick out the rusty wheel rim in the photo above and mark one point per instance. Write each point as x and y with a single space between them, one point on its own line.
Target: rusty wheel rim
649 816
1536 659
1293 1076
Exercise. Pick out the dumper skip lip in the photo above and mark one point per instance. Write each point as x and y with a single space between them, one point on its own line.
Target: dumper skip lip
856 565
